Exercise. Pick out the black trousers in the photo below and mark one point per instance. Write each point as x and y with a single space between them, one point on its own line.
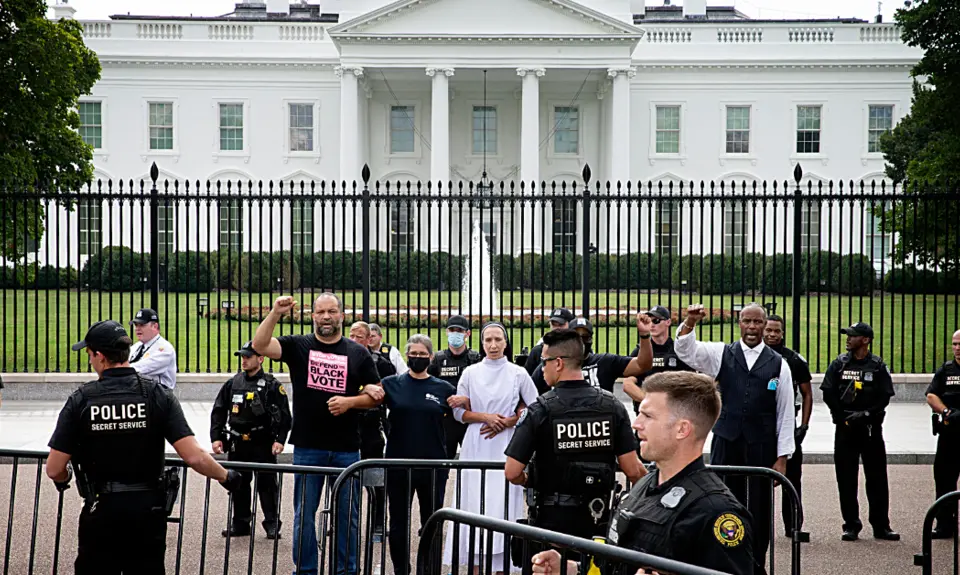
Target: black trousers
429 486
455 432
850 444
123 533
754 493
574 521
946 471
795 475
254 452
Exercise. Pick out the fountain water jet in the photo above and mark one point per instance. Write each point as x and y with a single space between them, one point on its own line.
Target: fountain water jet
477 286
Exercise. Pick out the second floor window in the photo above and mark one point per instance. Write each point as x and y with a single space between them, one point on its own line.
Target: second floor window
668 129
566 138
808 129
402 132
484 129
91 123
880 122
738 130
161 125
231 127
301 127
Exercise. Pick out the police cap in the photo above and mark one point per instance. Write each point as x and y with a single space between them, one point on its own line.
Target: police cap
146 315
458 321
858 329
105 335
659 312
561 315
246 350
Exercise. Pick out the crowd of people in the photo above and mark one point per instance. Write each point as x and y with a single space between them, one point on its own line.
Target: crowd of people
553 422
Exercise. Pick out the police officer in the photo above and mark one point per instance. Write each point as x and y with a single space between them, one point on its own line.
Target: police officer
448 365
803 405
943 396
377 345
250 421
112 431
681 510
560 318
664 357
152 355
857 388
572 437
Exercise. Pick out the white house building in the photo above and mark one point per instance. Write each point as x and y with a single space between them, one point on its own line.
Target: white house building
301 92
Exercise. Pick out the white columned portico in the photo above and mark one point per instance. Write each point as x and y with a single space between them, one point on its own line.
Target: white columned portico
619 143
530 148
440 149
349 123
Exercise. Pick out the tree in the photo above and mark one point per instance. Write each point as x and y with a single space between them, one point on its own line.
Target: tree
44 69
923 151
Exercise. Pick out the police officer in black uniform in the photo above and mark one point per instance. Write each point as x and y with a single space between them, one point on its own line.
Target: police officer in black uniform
112 431
250 421
681 510
448 365
572 438
664 357
560 318
857 388
943 396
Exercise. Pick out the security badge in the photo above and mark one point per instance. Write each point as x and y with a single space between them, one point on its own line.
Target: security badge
672 362
672 498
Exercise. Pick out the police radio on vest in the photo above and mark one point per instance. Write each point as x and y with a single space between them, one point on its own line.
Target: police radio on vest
583 430
118 412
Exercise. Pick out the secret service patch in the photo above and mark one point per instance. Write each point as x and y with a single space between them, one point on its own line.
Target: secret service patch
728 530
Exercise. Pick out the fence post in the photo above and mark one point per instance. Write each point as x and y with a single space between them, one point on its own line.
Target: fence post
797 246
365 214
154 239
585 259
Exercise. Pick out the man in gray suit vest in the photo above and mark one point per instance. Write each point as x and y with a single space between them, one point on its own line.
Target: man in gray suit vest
756 421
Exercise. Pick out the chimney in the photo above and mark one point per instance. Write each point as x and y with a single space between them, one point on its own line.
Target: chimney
695 9
278 7
62 10
638 8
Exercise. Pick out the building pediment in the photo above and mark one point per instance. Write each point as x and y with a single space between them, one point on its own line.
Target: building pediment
488 21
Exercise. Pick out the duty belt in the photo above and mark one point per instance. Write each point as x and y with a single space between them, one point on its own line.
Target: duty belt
118 487
248 435
560 500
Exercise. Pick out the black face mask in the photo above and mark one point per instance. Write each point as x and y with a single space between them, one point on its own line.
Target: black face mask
587 345
418 364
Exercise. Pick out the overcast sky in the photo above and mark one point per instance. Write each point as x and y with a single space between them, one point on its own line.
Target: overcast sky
768 9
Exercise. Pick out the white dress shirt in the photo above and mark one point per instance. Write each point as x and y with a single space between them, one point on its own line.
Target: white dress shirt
159 360
706 357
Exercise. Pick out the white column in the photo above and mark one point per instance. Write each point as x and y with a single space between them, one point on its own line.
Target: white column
440 152
349 123
620 129
530 150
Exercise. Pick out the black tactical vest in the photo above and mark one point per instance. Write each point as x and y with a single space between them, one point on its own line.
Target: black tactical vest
450 367
749 407
645 523
951 385
248 410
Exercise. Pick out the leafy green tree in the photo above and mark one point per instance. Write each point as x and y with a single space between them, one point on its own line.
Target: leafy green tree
923 151
44 69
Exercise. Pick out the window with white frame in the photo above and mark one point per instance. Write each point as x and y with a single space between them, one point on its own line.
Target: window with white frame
879 122
302 228
484 129
810 227
402 132
231 127
808 129
879 244
668 227
166 211
89 226
735 221
161 125
231 225
668 129
564 226
301 127
91 123
402 226
566 136
738 130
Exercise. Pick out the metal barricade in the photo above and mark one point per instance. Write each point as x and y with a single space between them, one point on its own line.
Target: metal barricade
924 559
565 544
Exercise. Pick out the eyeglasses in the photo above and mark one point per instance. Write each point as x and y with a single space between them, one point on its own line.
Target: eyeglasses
545 360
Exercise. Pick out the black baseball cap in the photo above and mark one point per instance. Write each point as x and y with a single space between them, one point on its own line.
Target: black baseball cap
246 350
146 315
659 312
562 315
458 321
858 329
581 322
105 335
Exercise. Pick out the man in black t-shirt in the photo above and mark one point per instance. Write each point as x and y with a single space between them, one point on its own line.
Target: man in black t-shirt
943 396
664 357
327 373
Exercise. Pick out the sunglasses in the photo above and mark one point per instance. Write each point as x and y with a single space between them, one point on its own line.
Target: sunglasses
545 360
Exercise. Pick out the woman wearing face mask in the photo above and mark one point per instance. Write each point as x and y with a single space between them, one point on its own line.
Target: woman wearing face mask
418 405
487 400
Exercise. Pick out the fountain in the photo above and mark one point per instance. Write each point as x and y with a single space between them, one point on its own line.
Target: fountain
477 287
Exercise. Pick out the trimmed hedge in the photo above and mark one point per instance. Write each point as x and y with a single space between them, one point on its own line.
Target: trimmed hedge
921 282
115 268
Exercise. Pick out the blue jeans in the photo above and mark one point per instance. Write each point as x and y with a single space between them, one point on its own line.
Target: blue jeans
347 528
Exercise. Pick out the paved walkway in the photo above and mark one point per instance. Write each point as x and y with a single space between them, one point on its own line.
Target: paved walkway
29 424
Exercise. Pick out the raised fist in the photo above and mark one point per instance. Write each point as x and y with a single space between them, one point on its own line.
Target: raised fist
284 304
695 313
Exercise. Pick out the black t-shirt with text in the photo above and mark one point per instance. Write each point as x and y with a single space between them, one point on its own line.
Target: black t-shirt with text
319 372
599 370
417 410
946 384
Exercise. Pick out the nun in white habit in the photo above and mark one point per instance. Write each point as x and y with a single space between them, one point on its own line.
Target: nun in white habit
489 398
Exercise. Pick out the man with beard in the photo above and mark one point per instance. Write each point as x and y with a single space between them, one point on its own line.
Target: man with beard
756 421
604 369
802 404
327 372
857 388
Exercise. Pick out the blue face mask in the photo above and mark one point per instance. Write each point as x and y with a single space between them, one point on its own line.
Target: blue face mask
456 338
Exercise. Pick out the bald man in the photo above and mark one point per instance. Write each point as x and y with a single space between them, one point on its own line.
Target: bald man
943 396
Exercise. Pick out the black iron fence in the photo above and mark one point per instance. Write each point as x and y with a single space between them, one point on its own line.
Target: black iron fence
212 257
943 510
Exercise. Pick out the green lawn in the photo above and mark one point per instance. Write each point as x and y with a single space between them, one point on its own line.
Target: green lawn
914 331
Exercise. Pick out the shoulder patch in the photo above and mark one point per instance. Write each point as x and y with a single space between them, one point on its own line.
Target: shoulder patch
283 390
523 417
728 530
